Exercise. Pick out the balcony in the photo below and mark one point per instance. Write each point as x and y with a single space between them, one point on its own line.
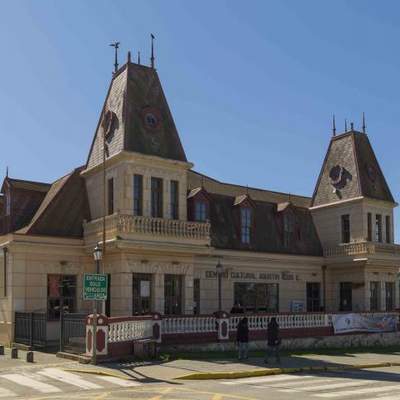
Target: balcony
362 249
124 226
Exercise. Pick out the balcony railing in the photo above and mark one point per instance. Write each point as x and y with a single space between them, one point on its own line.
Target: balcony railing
120 224
361 248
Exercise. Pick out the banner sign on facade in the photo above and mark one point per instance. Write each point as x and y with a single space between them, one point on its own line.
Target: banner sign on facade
344 323
95 286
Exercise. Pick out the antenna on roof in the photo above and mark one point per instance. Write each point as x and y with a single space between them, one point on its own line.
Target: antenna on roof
247 190
152 50
129 57
364 128
333 125
116 47
345 125
138 57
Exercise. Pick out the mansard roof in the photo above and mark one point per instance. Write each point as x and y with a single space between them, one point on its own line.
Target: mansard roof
136 117
267 233
63 210
26 185
350 170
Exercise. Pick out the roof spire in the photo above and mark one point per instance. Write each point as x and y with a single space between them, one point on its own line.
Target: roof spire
352 126
152 50
116 47
138 57
129 57
7 171
345 125
364 128
333 125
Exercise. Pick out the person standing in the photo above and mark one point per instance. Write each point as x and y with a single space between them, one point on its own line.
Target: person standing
273 340
242 339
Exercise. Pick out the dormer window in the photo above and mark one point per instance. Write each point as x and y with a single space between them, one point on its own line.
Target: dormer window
288 228
200 211
245 224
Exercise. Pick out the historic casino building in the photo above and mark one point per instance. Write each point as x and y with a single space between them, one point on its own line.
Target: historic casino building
167 226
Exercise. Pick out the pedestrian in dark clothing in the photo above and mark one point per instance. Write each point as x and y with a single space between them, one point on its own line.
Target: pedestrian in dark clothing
273 340
242 339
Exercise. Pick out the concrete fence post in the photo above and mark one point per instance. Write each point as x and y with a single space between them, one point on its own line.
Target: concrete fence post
101 335
222 320
157 327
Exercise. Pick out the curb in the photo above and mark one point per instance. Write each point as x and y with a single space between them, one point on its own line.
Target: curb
278 371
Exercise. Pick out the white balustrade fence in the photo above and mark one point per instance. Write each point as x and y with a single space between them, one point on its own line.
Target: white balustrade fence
124 331
199 324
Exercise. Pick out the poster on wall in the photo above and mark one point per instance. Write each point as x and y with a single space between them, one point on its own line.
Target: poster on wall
344 323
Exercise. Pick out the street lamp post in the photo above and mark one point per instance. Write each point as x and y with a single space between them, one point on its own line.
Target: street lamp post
97 254
220 271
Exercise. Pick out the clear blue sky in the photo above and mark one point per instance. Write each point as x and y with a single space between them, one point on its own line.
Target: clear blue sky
252 84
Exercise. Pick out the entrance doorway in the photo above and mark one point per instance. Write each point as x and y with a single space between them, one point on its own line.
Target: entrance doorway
313 296
346 296
173 294
142 293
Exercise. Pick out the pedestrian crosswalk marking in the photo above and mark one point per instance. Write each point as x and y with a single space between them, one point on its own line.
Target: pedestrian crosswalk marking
69 378
31 383
328 386
374 389
119 381
296 383
268 378
6 393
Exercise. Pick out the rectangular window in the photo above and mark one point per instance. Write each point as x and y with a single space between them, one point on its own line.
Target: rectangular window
200 211
245 226
389 294
346 296
173 294
138 195
196 296
378 228
174 200
313 296
61 292
346 228
388 227
156 197
374 289
141 293
257 297
110 187
369 227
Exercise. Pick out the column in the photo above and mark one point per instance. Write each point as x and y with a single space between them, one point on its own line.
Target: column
188 294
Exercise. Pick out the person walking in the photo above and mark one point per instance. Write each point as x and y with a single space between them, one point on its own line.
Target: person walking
273 340
242 339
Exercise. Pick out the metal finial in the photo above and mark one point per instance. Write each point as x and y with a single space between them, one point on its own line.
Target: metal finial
345 125
152 50
352 126
364 128
138 57
129 57
7 171
116 47
334 125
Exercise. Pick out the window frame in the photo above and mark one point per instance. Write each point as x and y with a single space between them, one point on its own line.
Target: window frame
378 228
174 199
246 224
200 212
388 229
369 227
138 195
54 315
110 196
157 187
346 228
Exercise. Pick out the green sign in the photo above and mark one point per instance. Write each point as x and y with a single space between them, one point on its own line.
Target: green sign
95 287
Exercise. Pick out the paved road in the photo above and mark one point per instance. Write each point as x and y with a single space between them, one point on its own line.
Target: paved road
57 383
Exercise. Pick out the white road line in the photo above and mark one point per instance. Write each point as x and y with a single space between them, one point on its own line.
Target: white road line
374 389
395 397
31 383
119 381
299 384
67 377
6 393
268 378
328 387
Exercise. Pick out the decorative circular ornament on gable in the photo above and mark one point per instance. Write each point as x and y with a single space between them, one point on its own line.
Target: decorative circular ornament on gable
151 118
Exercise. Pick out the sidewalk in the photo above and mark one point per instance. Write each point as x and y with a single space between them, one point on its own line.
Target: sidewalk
254 366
